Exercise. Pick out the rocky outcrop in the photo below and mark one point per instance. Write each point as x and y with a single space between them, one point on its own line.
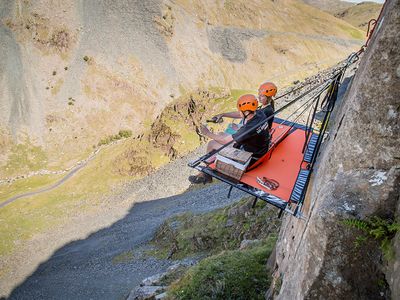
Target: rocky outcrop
357 177
154 287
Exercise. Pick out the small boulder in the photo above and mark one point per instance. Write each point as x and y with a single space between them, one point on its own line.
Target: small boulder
248 243
161 296
146 292
152 280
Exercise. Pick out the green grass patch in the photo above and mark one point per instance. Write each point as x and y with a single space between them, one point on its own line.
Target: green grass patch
27 185
24 158
181 117
224 229
188 139
228 104
22 219
158 158
138 159
239 274
122 134
236 93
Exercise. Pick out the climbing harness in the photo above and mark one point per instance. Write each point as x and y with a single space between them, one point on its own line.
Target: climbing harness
268 183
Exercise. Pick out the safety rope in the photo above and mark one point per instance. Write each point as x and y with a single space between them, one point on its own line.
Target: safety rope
309 124
308 104
301 87
371 28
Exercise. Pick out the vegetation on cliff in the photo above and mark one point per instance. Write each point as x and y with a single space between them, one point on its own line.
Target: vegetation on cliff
224 229
236 274
228 272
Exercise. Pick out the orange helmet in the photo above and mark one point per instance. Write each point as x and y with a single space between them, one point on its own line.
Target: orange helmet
268 89
247 102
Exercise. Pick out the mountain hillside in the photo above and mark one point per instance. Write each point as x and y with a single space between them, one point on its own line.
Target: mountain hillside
360 14
357 15
330 6
75 72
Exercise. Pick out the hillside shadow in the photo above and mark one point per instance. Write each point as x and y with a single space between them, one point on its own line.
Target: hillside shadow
84 269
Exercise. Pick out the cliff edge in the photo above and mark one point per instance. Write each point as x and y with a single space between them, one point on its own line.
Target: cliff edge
357 178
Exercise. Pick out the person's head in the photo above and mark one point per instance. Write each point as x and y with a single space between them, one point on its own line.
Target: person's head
247 105
266 91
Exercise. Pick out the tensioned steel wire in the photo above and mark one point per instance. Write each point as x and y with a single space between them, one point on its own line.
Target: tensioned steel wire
309 103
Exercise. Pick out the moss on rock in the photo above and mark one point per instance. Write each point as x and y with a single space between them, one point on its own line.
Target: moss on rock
223 229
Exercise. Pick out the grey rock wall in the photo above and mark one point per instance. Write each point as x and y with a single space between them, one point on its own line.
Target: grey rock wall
357 177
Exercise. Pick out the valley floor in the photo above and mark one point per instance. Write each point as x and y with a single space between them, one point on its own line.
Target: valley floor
102 255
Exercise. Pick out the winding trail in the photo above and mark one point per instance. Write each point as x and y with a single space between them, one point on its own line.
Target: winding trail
46 189
70 172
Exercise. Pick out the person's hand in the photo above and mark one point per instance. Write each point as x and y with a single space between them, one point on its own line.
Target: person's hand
217 118
204 130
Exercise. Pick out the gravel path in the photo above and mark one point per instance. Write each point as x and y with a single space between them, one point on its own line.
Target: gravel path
46 189
84 269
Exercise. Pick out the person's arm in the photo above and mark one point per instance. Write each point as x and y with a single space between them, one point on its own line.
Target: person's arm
232 115
224 139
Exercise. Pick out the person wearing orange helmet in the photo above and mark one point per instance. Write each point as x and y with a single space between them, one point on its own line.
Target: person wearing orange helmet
256 142
266 91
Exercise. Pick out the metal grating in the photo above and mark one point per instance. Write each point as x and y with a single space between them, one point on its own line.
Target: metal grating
299 186
311 148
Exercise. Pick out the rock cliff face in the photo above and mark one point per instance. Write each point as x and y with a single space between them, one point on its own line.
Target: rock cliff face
357 177
73 72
